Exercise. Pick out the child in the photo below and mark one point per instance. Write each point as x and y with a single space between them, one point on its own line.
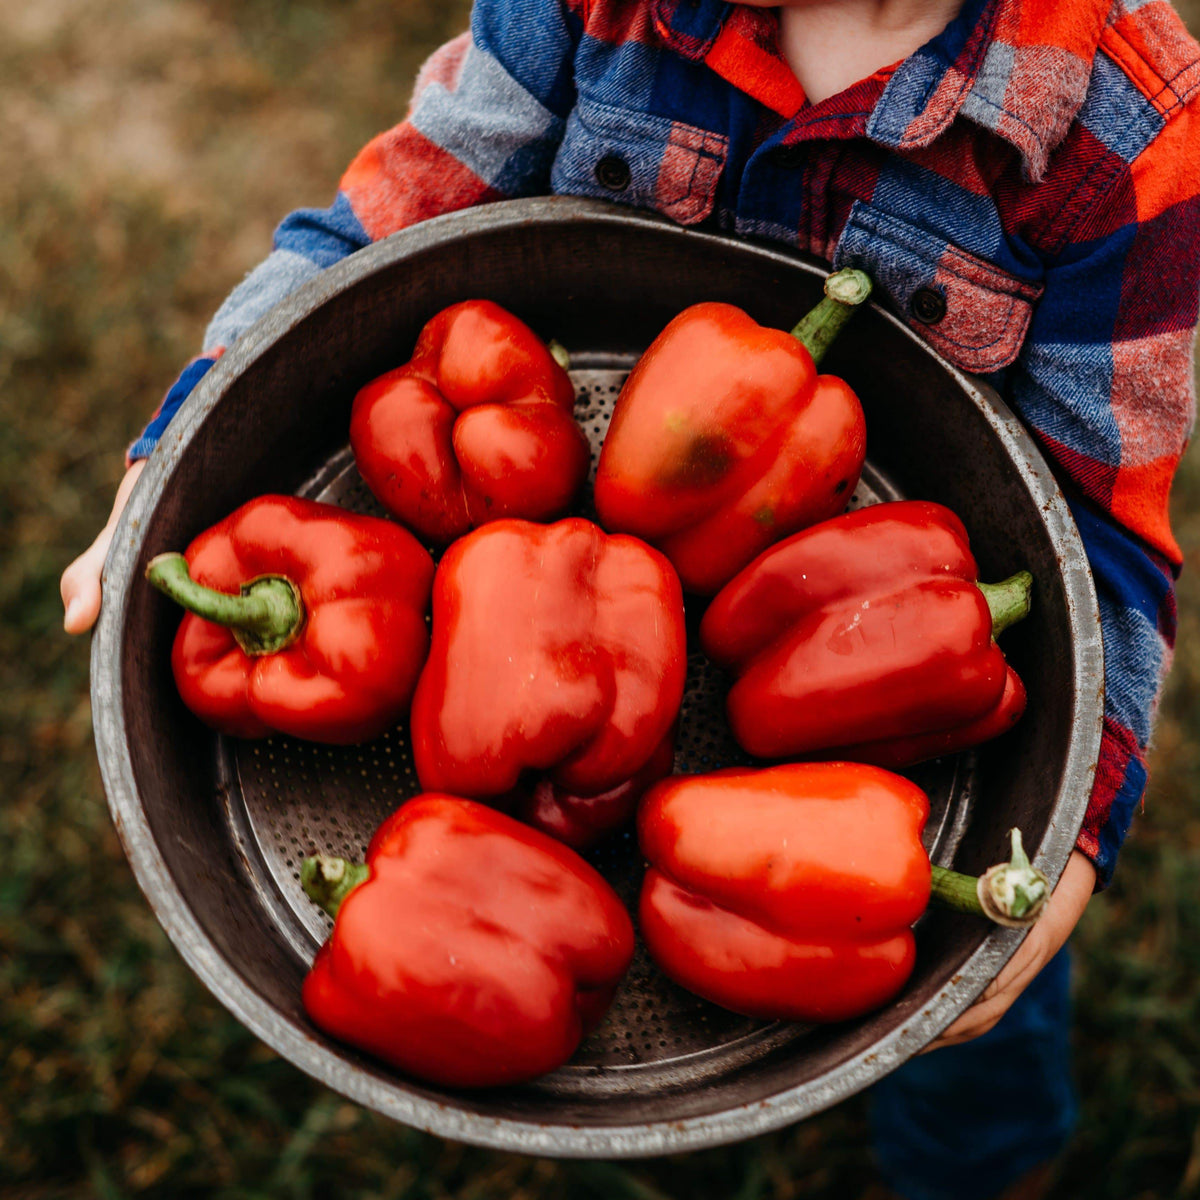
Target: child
1019 177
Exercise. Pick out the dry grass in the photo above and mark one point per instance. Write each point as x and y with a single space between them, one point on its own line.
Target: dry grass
147 147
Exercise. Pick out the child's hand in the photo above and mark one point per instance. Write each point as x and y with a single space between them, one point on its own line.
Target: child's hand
80 584
1043 941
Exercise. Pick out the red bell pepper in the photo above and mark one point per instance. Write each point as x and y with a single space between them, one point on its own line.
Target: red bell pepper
725 439
788 893
906 751
469 950
582 821
302 618
556 649
477 425
867 636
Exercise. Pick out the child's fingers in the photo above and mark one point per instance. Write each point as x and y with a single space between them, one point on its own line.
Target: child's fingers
998 997
80 585
1044 940
984 1017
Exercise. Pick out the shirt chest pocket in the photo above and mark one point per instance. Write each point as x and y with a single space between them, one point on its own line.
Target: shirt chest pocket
970 311
634 158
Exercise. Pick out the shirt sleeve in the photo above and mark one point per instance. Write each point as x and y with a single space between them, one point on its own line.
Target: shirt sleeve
488 113
1105 380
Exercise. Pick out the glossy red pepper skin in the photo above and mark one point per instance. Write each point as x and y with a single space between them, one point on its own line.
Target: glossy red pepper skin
477 425
905 751
350 675
556 649
477 953
867 628
582 821
786 893
725 439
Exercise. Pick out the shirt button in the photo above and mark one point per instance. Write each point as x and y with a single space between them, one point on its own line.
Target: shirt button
928 305
612 172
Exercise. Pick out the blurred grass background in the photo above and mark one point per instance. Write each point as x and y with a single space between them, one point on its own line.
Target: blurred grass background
147 149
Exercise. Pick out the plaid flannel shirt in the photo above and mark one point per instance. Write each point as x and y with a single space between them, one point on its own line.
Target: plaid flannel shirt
1037 165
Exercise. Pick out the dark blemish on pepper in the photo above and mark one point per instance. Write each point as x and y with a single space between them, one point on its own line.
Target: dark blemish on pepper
705 460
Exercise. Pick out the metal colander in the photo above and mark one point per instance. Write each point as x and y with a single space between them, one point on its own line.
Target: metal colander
215 828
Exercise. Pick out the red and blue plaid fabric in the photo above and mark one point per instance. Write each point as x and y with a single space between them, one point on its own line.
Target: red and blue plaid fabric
1037 164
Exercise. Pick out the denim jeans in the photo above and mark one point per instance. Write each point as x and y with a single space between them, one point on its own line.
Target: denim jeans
965 1122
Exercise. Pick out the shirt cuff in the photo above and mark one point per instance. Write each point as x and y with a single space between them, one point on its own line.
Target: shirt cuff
178 393
1118 790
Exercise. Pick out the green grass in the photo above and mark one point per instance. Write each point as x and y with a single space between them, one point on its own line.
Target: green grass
153 146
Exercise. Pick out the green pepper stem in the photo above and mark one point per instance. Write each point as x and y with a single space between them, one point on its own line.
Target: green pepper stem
265 617
328 881
956 891
845 292
1012 894
559 353
1009 600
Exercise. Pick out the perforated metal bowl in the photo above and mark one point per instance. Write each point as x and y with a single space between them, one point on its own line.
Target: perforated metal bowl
215 829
